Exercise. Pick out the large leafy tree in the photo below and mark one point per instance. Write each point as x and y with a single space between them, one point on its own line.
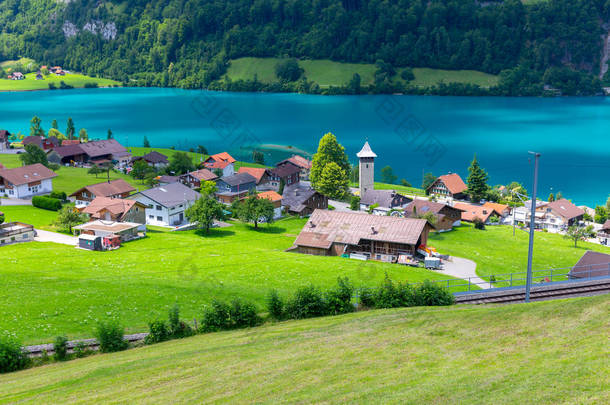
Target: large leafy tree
255 210
477 181
388 176
70 129
35 127
333 181
576 233
69 217
140 169
329 151
33 154
205 211
180 163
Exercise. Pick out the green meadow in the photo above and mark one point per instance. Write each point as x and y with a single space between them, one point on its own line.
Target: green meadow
553 352
76 80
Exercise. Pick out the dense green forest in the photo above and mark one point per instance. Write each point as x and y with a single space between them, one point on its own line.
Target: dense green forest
189 43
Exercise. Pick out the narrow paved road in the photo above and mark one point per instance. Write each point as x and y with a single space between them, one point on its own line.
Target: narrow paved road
14 201
463 268
46 236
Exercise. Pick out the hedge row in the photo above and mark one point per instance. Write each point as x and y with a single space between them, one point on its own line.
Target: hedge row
46 203
390 295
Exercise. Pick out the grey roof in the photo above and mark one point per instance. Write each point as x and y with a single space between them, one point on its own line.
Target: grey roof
366 151
170 195
295 195
153 157
591 264
101 148
385 198
69 150
238 179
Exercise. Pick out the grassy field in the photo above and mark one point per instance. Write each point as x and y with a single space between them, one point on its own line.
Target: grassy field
496 251
137 283
553 352
329 73
197 157
397 187
73 79
425 77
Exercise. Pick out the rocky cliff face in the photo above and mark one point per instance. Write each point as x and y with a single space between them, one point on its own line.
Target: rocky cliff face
108 30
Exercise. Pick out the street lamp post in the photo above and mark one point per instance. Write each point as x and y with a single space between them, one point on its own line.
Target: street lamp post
530 252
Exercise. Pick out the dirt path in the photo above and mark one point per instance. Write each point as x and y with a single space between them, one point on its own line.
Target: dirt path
465 269
46 236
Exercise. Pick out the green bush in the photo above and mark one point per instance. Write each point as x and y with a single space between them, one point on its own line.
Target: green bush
12 357
110 337
307 302
91 85
216 317
61 348
339 298
433 294
354 203
157 332
81 349
46 203
275 305
479 224
243 314
60 195
366 297
178 329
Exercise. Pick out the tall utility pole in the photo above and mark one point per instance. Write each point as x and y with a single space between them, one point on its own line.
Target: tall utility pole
530 252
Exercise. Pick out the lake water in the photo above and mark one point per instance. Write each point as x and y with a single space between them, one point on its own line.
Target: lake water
410 133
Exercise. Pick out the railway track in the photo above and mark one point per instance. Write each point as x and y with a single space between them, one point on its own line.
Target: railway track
537 292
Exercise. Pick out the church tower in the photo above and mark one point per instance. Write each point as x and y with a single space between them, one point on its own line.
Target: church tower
366 168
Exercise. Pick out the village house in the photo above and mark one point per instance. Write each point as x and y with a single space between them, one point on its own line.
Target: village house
16 76
449 186
164 180
153 159
383 201
502 210
591 264
166 205
69 154
234 187
265 178
604 234
65 142
118 188
559 215
384 238
5 143
521 215
39 76
103 235
94 152
302 163
288 173
41 142
194 179
26 181
275 199
116 209
446 216
300 199
470 212
221 161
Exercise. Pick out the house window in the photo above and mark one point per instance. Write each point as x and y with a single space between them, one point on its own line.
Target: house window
159 218
151 217
158 208
25 236
137 209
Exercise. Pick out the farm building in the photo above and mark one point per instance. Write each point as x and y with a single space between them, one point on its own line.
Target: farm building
300 199
332 233
14 232
449 186
591 264
383 201
194 179
125 230
153 159
446 216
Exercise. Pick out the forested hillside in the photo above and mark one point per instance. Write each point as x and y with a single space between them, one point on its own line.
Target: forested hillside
189 43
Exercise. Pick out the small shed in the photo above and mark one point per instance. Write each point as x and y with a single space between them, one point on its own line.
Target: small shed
90 242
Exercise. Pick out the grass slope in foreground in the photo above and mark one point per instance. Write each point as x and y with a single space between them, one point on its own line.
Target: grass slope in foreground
329 73
72 79
50 289
542 353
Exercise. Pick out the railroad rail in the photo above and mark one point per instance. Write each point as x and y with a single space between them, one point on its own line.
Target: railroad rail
561 289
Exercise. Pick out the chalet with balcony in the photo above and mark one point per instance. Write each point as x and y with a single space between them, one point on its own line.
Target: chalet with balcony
299 199
195 178
446 216
118 188
449 186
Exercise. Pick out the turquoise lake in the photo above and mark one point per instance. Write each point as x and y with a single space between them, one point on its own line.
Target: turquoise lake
410 133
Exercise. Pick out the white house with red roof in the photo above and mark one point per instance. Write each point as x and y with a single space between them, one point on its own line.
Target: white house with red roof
26 181
221 161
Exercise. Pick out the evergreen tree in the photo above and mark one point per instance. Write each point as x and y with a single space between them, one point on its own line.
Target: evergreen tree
109 134
70 130
54 124
551 197
35 128
388 176
145 143
477 181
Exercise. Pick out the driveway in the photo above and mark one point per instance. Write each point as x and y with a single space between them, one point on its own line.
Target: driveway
14 201
46 236
463 268
339 205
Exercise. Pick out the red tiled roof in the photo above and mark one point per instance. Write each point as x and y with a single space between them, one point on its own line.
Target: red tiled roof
270 195
473 211
203 175
499 208
299 161
453 182
221 164
222 156
67 142
256 172
116 206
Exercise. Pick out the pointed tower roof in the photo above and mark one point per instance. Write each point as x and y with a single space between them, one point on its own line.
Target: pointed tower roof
366 151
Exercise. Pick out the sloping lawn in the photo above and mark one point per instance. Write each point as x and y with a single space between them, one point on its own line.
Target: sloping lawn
72 79
497 251
553 352
50 289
